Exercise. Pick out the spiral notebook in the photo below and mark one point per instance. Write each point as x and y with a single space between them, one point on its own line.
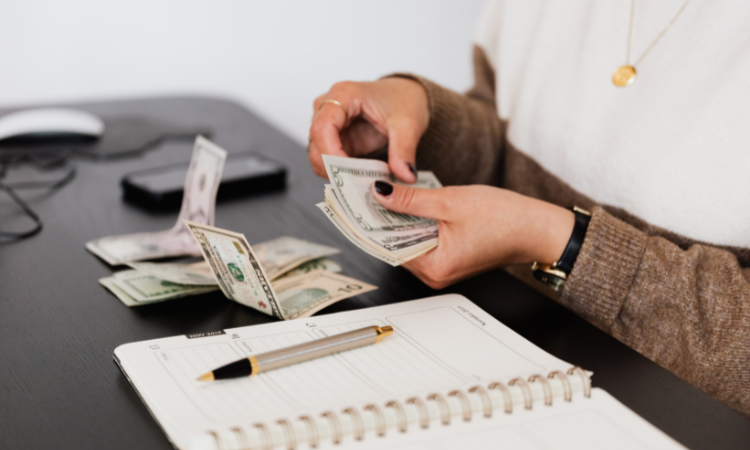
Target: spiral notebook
450 377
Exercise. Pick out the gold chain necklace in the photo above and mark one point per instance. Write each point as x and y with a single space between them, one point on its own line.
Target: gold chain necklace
625 75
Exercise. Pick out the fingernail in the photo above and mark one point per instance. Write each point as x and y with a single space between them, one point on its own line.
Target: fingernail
383 188
412 168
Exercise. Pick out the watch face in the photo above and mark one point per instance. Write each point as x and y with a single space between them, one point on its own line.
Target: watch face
551 280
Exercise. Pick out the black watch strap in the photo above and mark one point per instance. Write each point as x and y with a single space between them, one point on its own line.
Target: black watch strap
570 254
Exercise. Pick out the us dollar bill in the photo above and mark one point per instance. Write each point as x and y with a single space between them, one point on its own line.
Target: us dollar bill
198 203
236 268
304 295
187 274
283 254
317 264
350 205
136 288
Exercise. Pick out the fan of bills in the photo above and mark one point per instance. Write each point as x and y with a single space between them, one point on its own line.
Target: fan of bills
285 277
391 237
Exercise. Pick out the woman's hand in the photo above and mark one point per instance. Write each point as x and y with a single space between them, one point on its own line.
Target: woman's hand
480 228
391 111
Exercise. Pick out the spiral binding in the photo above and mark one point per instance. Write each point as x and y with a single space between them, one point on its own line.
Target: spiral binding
291 439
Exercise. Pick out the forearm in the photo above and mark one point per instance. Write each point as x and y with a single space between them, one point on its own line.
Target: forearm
688 310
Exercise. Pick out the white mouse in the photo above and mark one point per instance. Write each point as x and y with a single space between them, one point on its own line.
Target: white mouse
50 121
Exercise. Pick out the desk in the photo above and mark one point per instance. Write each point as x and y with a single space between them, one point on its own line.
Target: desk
59 387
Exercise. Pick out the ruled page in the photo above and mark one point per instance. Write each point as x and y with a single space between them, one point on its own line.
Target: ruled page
439 343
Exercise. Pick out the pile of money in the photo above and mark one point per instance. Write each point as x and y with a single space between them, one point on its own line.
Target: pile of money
285 277
391 237
198 203
302 279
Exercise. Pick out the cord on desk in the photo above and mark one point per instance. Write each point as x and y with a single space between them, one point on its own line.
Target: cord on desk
11 188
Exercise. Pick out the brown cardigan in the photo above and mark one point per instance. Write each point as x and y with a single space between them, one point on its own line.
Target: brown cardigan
684 304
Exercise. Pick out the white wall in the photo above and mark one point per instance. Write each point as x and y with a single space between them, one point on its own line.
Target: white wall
272 56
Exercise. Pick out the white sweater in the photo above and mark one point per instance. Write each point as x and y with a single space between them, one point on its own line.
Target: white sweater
674 147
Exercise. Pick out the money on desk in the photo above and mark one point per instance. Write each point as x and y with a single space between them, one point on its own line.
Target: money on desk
391 237
308 283
198 203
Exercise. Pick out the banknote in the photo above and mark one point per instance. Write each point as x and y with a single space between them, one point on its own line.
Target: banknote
316 264
188 274
304 295
135 288
283 254
353 238
236 268
198 202
392 237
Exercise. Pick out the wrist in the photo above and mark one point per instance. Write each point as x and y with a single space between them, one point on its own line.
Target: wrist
554 230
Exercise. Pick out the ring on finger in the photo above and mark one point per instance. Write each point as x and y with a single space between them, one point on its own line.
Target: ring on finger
335 102
309 141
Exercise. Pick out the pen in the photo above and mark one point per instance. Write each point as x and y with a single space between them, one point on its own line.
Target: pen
253 365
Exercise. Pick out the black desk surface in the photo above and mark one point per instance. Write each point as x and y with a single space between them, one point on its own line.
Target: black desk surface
59 387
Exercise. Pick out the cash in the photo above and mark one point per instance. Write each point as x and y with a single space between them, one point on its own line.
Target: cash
304 295
281 255
187 274
241 277
317 264
198 202
236 268
349 204
136 288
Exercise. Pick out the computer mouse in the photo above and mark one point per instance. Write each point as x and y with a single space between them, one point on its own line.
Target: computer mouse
50 122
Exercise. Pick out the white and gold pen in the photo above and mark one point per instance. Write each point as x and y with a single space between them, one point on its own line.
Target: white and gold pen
253 365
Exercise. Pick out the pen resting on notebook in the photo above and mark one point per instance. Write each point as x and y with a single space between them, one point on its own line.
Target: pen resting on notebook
253 365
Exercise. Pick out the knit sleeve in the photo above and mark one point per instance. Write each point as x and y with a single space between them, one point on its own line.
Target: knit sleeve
686 309
464 140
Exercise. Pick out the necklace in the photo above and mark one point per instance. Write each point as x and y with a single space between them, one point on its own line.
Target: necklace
625 75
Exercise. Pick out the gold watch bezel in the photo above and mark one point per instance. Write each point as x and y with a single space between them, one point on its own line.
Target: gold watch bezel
550 275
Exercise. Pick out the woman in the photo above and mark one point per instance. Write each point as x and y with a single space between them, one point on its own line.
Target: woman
636 112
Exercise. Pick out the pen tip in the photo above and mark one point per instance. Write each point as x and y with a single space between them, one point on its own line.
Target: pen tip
207 377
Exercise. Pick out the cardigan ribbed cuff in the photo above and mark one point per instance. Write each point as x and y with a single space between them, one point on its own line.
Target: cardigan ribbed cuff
605 269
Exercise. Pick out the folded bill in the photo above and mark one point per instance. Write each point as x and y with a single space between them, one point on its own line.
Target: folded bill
389 236
198 202
135 288
236 268
283 254
304 295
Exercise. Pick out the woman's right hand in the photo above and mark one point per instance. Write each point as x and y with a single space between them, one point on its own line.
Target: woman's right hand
391 111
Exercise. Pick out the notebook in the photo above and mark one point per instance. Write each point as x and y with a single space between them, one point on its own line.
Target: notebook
450 377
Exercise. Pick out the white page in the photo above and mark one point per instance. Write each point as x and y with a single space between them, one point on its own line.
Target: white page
439 343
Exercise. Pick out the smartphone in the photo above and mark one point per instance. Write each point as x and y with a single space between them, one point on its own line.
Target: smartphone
160 188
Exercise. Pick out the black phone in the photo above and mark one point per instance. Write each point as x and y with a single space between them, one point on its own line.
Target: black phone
160 188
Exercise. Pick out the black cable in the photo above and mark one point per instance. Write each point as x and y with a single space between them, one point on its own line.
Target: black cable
10 189
17 236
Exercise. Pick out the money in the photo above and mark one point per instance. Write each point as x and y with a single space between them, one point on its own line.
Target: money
304 295
135 288
187 274
236 268
198 202
316 264
281 255
389 236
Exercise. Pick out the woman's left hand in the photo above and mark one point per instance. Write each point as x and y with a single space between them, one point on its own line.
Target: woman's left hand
480 228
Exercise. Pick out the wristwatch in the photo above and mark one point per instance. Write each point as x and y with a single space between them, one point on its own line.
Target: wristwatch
554 275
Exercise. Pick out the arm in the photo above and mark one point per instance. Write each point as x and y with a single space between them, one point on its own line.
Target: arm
688 310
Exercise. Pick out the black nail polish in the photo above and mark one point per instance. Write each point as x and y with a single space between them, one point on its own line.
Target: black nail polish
412 168
383 188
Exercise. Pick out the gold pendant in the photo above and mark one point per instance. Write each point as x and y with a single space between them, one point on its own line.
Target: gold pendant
625 76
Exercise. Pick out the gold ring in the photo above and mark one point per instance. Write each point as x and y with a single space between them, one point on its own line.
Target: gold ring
309 141
335 102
